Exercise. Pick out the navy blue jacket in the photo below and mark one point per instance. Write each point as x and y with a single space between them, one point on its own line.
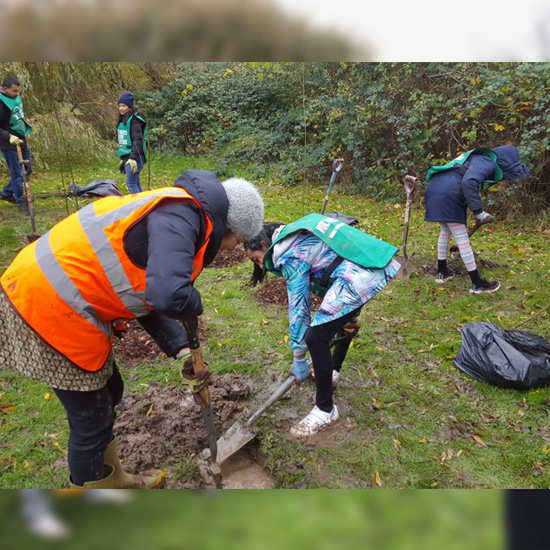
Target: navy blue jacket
450 193
165 243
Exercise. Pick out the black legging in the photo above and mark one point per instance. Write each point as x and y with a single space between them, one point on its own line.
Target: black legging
318 341
91 416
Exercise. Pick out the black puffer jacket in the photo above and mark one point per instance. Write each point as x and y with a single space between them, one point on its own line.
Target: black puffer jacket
165 243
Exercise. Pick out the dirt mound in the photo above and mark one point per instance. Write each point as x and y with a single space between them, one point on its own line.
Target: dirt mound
228 258
273 291
163 427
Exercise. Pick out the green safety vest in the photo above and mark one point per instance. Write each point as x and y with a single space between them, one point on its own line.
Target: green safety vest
17 118
462 159
348 242
124 138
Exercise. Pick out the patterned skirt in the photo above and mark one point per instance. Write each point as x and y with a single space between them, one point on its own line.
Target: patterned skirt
24 351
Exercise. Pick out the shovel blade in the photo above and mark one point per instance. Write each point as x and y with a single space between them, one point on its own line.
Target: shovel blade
234 439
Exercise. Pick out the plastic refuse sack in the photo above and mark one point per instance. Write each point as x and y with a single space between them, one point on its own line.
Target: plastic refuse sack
505 358
97 188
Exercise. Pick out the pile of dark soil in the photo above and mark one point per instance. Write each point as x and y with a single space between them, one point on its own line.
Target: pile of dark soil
273 291
228 258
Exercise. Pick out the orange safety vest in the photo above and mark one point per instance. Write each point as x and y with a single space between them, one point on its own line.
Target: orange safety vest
76 282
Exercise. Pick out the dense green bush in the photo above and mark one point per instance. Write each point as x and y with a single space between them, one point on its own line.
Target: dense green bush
289 120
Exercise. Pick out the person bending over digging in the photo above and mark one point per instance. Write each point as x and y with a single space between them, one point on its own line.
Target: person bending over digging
136 256
343 265
455 187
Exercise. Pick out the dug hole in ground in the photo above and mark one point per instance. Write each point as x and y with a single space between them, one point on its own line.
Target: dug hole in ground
163 426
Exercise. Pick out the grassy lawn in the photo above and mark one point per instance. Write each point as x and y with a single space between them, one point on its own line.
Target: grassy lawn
411 419
247 520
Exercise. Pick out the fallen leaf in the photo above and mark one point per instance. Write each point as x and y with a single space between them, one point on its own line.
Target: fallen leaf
48 396
59 448
377 479
480 441
423 440
160 477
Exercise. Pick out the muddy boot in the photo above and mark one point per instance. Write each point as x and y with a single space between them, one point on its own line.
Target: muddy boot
108 482
124 480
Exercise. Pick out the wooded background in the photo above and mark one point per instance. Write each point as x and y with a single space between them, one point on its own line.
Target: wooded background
288 121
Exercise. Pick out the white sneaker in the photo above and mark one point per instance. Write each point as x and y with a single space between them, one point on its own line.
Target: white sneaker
48 526
335 374
314 422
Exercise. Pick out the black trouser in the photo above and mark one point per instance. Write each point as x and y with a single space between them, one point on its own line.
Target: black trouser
318 340
91 416
527 513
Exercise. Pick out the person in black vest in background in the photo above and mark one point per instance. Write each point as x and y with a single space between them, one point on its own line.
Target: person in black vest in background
455 188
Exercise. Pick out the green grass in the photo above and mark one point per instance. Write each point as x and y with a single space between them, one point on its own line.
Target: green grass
248 520
414 420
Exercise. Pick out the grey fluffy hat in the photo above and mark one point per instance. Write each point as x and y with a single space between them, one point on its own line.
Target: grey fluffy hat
246 208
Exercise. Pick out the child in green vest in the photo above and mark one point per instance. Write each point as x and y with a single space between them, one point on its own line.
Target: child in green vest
456 187
301 253
132 132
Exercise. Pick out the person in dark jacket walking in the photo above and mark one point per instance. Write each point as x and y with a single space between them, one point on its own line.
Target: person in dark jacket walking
132 132
13 132
453 189
118 258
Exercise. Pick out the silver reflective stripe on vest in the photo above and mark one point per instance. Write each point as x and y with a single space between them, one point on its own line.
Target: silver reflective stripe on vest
94 226
64 287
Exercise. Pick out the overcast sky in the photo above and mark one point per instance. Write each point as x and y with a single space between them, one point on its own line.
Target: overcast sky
429 30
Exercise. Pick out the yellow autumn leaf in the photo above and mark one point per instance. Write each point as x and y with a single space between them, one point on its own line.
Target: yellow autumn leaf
377 479
480 441
397 443
48 396
286 338
59 448
160 477
265 321
148 413
423 440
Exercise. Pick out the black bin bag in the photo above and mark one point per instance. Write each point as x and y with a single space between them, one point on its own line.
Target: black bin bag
98 188
504 358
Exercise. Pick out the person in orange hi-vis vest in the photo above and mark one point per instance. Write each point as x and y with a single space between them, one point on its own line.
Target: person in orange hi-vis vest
118 258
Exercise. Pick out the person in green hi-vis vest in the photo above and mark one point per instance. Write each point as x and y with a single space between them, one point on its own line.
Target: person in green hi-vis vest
344 266
455 188
132 133
13 132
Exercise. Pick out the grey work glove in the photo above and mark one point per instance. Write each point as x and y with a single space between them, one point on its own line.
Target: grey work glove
484 217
